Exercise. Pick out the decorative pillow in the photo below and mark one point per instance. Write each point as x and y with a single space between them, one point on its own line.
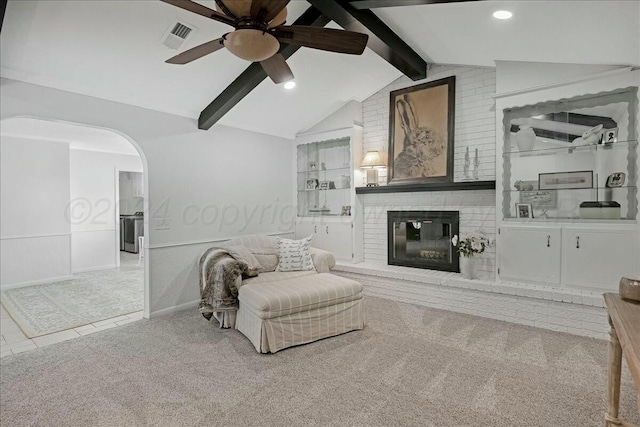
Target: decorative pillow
243 254
267 257
294 255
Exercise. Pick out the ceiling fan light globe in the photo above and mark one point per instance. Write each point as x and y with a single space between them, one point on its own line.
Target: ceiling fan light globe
251 45
239 8
279 19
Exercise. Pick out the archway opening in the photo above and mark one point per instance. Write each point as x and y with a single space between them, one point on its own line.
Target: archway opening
66 264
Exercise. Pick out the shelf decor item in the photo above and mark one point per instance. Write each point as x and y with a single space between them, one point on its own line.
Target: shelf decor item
324 185
421 133
468 247
610 136
524 210
525 138
312 184
372 162
565 180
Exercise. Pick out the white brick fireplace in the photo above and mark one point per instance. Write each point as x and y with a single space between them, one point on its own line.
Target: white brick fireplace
562 309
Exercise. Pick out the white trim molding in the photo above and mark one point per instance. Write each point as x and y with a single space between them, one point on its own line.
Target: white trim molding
207 241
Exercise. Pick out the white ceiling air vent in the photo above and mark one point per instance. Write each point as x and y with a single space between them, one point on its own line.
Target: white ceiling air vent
176 35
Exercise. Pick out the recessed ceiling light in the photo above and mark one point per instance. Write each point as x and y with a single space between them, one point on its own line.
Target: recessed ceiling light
502 14
290 84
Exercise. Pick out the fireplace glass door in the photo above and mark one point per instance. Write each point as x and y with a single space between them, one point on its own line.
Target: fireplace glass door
423 239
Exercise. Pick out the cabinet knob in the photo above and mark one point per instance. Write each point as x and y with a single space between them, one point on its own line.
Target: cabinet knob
315 229
327 229
548 240
578 242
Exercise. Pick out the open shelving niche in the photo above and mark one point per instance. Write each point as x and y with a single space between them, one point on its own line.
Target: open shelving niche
325 175
553 156
559 246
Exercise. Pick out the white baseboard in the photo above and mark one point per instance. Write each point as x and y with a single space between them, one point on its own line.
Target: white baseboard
100 267
175 308
35 282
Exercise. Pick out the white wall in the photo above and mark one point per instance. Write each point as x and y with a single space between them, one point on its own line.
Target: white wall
35 233
517 75
242 176
94 208
346 116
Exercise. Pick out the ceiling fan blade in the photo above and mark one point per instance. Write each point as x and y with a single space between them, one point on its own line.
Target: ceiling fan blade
197 52
201 10
323 38
266 10
277 68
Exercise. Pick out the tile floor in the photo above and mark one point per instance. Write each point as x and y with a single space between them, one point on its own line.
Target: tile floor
13 341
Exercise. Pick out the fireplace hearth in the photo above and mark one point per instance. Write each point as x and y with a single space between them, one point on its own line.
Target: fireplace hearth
422 239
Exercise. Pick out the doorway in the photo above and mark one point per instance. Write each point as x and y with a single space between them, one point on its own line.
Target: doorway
62 209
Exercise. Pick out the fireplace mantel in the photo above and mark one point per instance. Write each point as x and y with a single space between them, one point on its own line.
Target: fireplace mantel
438 186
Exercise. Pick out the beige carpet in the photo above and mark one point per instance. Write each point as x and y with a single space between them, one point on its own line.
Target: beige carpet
410 366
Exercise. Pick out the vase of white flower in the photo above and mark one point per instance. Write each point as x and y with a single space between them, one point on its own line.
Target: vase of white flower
468 267
468 247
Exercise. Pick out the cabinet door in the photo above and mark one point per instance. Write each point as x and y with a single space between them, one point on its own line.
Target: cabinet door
530 254
137 184
306 228
596 259
337 237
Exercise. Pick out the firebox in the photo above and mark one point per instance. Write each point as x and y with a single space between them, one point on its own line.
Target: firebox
422 239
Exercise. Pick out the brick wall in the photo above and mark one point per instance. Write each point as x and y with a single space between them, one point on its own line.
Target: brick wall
474 128
474 117
477 212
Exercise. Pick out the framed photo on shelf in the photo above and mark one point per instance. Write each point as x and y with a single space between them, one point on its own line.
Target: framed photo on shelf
610 136
540 199
565 180
524 210
324 185
421 128
312 184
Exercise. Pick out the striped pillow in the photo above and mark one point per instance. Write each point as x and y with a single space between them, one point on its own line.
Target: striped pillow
294 255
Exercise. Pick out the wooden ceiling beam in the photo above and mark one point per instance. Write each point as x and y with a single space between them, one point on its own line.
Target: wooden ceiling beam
253 76
373 4
382 39
3 9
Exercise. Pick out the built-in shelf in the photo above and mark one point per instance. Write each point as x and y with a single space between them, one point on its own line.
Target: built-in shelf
438 186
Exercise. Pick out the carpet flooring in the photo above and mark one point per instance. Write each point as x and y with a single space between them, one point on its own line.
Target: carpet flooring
411 365
87 298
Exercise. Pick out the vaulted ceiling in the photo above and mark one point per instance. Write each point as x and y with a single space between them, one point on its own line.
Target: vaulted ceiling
113 50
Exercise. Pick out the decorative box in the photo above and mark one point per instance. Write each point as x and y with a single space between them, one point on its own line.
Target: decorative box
600 210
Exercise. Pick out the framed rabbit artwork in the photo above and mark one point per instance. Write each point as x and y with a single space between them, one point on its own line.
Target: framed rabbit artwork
421 126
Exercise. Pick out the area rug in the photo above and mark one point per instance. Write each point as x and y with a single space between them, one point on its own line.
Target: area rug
410 366
88 298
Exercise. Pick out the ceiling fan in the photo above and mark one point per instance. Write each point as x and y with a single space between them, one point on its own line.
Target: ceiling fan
258 31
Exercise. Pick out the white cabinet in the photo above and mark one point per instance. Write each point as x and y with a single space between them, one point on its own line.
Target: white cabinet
598 258
569 255
530 253
137 184
333 236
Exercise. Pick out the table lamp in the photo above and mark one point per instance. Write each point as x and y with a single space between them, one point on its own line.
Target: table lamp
372 162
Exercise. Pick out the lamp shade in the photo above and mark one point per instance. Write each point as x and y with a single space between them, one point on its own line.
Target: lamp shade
372 160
